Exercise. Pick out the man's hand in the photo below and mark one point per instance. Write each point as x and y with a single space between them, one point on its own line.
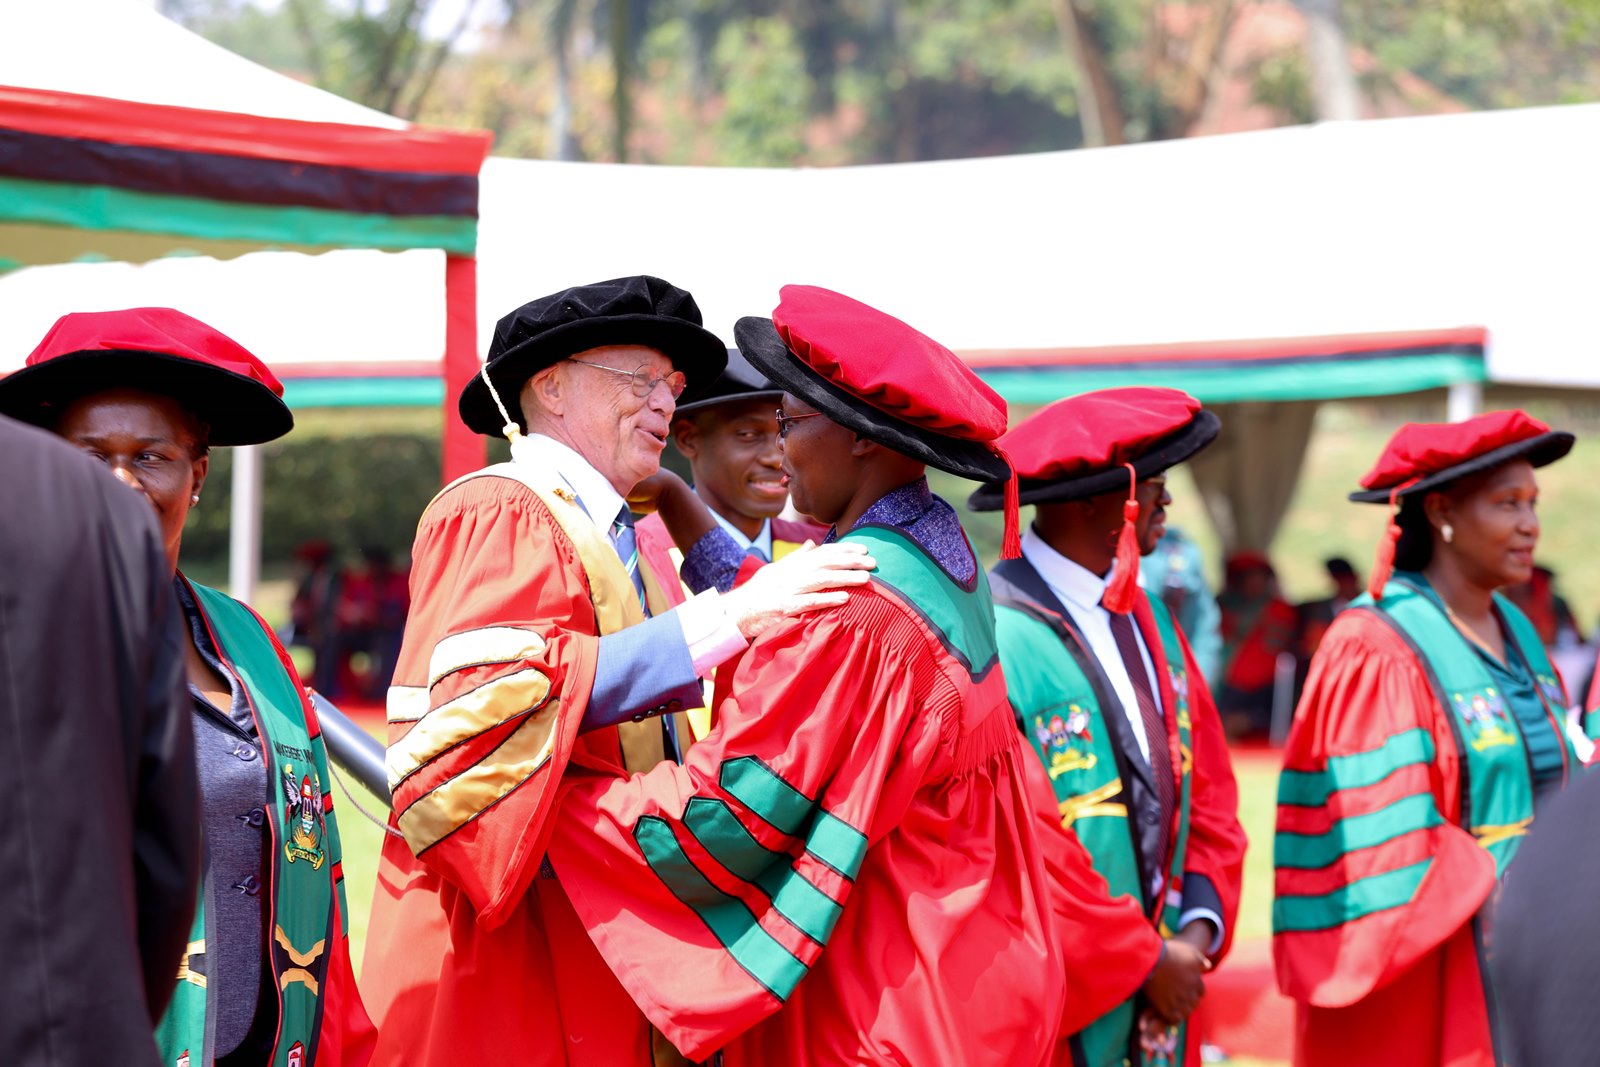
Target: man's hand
1176 985
810 578
660 488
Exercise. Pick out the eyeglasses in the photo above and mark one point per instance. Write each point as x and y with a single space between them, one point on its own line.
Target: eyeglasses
786 421
642 381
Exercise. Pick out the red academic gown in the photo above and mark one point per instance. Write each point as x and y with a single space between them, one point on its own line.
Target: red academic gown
474 954
864 818
1401 986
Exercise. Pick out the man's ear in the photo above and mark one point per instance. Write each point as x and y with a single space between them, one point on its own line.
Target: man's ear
862 447
686 435
547 392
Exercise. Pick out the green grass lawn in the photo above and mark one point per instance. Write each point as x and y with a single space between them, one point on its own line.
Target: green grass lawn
1257 774
363 840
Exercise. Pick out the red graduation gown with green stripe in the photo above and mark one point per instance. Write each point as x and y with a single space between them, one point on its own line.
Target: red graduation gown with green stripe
1378 945
852 867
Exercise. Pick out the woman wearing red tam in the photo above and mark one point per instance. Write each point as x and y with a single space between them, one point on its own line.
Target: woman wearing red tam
266 978
1105 689
1429 736
854 866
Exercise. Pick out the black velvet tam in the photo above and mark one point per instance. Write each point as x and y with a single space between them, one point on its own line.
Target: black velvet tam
640 310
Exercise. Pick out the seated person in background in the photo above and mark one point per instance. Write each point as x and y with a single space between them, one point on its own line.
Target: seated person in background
391 600
1175 572
1258 626
1317 615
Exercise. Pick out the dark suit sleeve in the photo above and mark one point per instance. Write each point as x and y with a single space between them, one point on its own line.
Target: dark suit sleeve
166 804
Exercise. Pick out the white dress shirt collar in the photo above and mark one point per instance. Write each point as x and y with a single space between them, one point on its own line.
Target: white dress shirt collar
1078 585
600 501
762 541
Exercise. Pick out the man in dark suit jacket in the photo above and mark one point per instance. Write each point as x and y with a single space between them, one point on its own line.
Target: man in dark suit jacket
99 843
1542 941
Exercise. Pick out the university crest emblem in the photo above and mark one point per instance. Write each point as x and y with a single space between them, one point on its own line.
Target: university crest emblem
297 1055
1484 714
303 818
1065 741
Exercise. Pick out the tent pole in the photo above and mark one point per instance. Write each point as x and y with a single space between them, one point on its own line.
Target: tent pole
1463 401
244 525
464 451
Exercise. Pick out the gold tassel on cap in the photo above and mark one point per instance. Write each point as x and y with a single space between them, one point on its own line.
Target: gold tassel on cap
511 431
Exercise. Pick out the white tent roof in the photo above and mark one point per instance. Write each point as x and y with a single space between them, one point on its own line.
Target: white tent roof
125 50
1478 219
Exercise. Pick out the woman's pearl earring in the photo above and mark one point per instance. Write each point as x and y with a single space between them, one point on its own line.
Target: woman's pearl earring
195 499
1447 531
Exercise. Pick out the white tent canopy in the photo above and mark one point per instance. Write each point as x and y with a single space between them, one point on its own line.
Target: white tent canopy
139 139
1336 229
1485 220
126 51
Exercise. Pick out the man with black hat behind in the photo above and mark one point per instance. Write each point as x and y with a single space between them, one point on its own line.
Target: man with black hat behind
855 866
730 438
1105 688
527 654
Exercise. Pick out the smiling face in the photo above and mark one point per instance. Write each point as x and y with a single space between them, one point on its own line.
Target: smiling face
594 411
818 462
738 467
1494 523
151 443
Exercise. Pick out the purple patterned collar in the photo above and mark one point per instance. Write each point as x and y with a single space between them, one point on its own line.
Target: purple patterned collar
928 521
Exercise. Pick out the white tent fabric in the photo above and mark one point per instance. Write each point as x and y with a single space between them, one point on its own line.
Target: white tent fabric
1397 224
125 50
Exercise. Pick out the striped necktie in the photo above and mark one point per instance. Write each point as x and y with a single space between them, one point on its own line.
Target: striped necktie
1155 726
627 546
626 542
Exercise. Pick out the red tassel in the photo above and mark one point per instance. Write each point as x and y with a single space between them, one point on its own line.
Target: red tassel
1118 597
1011 544
1383 563
1011 547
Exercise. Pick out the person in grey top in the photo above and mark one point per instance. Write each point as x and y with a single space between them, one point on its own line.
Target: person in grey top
265 977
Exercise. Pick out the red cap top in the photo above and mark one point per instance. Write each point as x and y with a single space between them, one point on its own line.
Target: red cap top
1096 431
162 331
864 352
1420 449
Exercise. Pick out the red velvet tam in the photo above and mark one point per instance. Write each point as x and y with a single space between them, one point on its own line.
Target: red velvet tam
158 350
1422 456
873 374
1080 447
878 376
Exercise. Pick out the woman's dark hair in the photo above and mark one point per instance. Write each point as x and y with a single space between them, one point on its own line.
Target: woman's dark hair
1415 547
